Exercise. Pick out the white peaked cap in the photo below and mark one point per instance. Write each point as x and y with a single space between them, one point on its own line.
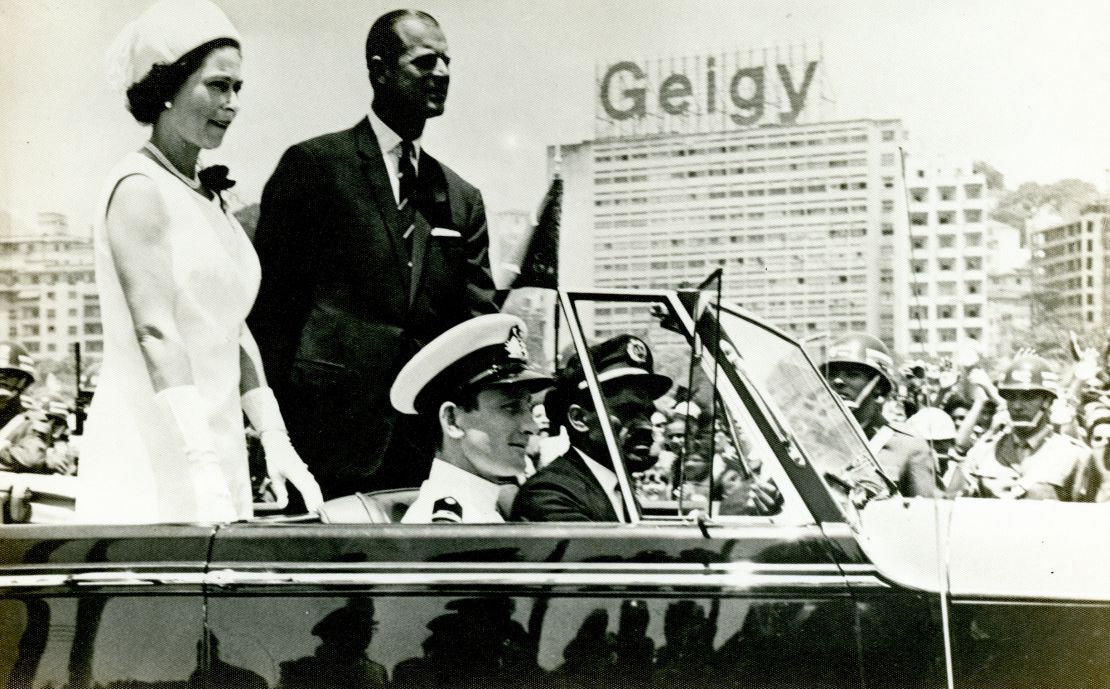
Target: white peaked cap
163 33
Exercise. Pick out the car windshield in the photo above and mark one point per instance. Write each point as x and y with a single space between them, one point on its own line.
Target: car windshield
782 372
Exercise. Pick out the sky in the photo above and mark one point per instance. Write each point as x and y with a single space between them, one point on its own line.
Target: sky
1022 85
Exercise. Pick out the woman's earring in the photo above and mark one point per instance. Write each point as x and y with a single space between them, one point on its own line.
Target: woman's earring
168 105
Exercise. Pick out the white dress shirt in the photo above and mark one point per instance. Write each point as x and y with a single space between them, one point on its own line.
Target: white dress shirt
390 143
607 479
476 496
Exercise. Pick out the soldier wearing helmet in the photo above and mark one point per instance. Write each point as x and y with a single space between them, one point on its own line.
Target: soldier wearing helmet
23 445
1028 458
861 370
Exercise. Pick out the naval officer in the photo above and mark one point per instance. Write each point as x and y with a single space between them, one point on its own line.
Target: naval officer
476 382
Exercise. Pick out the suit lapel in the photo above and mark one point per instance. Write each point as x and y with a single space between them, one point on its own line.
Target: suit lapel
598 498
381 191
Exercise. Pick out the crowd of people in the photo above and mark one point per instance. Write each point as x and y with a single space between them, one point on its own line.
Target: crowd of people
1037 429
356 340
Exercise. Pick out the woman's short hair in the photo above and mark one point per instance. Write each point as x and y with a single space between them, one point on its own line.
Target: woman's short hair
146 98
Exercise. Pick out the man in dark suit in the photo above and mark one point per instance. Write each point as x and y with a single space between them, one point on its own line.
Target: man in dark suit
370 248
582 485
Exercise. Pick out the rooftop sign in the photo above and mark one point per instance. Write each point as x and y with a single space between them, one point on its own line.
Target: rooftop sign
707 92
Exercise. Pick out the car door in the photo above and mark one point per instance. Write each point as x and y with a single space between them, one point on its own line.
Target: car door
1030 600
85 606
887 547
676 595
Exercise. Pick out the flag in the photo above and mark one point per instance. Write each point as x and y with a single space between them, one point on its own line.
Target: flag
537 263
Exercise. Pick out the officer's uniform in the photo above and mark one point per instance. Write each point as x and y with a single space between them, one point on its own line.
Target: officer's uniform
483 352
476 497
1045 457
906 459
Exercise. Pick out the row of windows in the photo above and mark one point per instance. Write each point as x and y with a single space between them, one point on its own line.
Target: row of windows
35 347
1070 266
10 248
947 288
606 157
947 193
945 335
947 311
970 215
921 265
49 278
947 241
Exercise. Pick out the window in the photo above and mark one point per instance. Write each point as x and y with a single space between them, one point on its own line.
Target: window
946 217
973 191
919 336
973 239
946 289
946 241
946 312
920 243
973 215
973 262
918 266
917 312
974 333
946 264
947 193
919 219
946 334
973 286
972 310
919 194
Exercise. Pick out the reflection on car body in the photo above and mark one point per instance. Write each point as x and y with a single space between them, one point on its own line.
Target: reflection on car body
844 584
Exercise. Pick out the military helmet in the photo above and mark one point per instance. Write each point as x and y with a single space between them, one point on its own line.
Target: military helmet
933 424
863 350
15 358
1030 373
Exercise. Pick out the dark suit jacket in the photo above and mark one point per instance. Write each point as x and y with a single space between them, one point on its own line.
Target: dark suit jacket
340 310
563 491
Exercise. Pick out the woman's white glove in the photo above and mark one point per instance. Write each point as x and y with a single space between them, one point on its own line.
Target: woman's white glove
182 404
282 461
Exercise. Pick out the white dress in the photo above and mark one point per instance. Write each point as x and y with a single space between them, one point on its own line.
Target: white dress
132 468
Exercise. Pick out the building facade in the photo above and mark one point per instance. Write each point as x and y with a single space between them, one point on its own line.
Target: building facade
802 218
1071 269
954 248
48 298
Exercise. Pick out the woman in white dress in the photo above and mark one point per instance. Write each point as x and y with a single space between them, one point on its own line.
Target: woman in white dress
176 275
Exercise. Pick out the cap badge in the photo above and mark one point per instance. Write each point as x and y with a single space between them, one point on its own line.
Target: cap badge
637 351
514 345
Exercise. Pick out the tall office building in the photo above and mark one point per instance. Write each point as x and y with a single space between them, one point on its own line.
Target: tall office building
954 248
1071 270
730 161
48 297
802 218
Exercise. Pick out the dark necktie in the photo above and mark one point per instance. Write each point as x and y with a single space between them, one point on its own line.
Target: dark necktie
406 174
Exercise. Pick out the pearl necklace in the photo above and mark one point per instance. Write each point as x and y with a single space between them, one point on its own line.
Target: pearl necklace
193 183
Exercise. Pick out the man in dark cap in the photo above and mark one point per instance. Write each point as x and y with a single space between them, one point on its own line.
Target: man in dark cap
582 485
340 660
475 382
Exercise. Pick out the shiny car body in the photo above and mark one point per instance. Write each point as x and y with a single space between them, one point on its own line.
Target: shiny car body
847 585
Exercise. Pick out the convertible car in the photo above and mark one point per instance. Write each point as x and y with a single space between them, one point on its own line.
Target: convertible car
843 584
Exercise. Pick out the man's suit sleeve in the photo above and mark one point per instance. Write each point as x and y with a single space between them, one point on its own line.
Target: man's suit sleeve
286 240
480 288
547 501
